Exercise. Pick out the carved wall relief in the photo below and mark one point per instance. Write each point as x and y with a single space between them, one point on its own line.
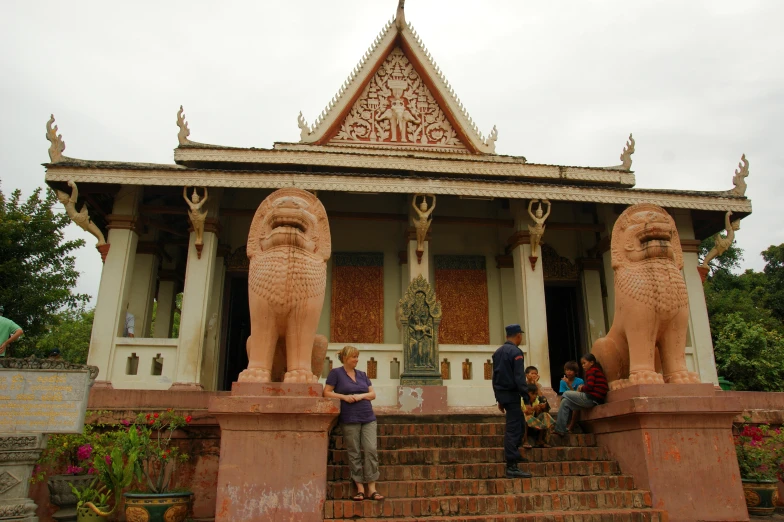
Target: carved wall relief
461 282
556 267
357 313
397 108
419 314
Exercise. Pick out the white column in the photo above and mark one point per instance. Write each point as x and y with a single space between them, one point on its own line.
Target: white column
592 299
199 274
607 216
114 289
164 313
415 267
529 290
211 359
705 360
143 285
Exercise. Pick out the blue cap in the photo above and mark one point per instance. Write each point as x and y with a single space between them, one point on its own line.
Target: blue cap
513 329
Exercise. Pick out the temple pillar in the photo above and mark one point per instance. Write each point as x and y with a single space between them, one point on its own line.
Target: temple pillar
699 324
194 319
211 359
168 285
114 289
529 293
416 265
608 216
592 298
143 286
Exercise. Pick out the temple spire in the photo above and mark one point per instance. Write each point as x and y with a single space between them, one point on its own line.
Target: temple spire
400 16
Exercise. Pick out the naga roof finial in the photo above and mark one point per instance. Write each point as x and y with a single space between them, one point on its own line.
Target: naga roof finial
182 136
57 144
626 155
400 16
739 179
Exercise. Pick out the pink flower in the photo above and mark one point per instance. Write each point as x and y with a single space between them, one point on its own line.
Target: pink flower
91 471
84 452
108 460
125 422
73 470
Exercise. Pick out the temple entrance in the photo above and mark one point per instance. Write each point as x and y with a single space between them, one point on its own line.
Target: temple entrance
237 328
563 328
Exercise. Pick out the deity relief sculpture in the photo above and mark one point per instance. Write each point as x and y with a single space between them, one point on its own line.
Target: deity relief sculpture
196 216
722 243
419 314
537 230
288 246
648 334
81 218
423 221
739 179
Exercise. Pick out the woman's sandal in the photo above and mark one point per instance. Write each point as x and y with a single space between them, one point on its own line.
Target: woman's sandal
359 497
375 496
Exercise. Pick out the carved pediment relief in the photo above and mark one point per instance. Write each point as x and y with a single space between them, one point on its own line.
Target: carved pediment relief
397 109
557 267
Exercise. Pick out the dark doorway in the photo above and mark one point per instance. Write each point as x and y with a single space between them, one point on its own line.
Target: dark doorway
237 331
563 328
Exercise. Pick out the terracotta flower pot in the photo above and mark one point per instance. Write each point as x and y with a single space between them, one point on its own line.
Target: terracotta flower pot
157 507
761 496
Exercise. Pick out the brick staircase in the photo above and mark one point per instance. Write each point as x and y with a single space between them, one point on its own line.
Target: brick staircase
451 468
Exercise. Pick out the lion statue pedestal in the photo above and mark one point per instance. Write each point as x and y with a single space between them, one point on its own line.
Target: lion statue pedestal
275 424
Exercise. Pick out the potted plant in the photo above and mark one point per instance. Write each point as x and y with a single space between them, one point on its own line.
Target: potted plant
760 451
149 436
67 462
91 495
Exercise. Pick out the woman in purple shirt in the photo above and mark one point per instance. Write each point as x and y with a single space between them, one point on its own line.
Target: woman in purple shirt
355 391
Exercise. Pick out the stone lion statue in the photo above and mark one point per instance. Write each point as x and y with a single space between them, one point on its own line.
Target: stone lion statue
288 246
647 341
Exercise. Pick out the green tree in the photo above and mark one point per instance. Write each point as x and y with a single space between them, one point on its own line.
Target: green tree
70 333
37 267
750 355
774 284
726 262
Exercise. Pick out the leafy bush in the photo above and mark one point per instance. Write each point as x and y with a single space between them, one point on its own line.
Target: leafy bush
749 355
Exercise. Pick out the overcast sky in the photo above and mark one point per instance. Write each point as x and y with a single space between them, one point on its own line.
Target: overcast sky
698 83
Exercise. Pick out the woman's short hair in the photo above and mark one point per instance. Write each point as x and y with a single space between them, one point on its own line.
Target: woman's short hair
346 352
572 365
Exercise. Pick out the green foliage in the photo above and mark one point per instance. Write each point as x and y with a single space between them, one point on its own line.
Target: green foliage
70 332
726 262
37 268
97 495
750 355
760 451
747 319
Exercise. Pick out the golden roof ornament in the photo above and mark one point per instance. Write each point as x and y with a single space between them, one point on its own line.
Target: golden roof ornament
182 136
57 145
739 179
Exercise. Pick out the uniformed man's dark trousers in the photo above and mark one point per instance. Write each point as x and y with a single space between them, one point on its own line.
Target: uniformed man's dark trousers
514 432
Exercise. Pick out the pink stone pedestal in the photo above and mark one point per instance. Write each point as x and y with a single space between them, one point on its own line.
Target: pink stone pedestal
676 440
273 457
422 399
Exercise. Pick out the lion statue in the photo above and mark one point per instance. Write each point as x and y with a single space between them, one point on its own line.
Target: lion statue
647 341
288 246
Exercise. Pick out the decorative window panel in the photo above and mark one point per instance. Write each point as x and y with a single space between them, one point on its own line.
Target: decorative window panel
461 286
357 313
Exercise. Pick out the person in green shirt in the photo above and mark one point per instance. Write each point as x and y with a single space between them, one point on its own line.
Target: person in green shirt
9 332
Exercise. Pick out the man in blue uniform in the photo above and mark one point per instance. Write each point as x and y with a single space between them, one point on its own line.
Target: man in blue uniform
510 386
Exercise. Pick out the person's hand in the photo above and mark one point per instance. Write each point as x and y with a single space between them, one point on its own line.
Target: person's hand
536 379
580 388
350 398
3 347
501 408
529 410
564 379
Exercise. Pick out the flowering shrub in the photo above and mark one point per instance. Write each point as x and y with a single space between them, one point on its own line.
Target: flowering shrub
70 453
149 436
760 451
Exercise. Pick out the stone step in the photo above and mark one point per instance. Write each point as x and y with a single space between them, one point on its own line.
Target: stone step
389 442
472 455
506 505
482 471
344 490
604 515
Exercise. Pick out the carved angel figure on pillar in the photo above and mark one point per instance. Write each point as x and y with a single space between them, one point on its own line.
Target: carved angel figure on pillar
422 222
537 230
81 218
722 243
196 216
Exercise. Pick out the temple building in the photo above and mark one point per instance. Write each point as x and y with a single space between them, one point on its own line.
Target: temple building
394 155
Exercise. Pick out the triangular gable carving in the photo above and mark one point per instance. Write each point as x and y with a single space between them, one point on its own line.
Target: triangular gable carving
447 125
397 108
